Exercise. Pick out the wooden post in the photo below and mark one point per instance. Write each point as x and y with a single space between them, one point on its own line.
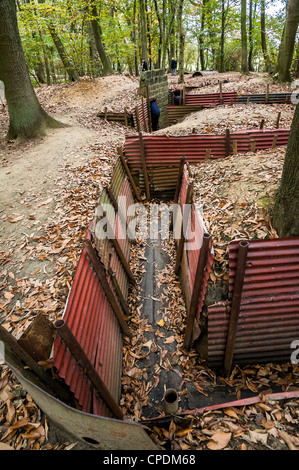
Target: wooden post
100 272
117 248
208 155
221 94
262 124
180 175
182 239
235 147
105 114
120 214
144 168
184 95
267 94
235 307
274 143
227 142
87 367
126 116
137 119
129 174
248 100
119 292
198 281
253 145
278 120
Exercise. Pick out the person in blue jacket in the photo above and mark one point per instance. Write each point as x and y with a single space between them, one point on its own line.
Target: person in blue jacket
155 114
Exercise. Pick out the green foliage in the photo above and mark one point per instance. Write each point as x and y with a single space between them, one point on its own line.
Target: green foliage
119 23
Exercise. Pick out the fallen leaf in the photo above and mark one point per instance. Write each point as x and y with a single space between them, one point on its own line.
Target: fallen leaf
219 440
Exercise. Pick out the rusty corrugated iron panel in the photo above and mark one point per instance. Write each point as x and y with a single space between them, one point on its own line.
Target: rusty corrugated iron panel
268 319
141 116
211 99
260 98
193 245
177 113
163 150
93 323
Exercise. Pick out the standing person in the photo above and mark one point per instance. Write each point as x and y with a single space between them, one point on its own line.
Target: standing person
155 114
144 65
173 66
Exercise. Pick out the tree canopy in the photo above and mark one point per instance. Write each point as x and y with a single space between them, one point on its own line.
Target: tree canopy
64 40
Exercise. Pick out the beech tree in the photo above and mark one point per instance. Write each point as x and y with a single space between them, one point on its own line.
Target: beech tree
287 45
27 118
286 208
244 66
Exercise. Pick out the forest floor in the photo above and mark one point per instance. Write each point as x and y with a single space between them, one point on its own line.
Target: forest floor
48 193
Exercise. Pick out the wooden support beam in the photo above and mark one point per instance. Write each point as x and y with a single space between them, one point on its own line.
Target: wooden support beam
144 168
235 147
180 175
129 175
208 155
182 239
197 289
117 247
274 143
267 94
262 124
137 119
278 120
119 292
227 142
100 271
235 307
78 353
221 93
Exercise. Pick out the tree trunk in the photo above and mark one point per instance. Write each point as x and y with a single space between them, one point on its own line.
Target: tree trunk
286 208
264 38
72 74
287 46
250 66
221 68
201 35
27 117
181 40
97 33
143 29
244 66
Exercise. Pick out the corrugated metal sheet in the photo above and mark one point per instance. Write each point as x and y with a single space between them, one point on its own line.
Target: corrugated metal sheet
269 318
260 98
93 323
193 246
163 151
141 116
211 99
178 113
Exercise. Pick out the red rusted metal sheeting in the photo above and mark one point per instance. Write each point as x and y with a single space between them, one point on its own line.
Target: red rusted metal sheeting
263 138
268 318
163 150
193 246
141 116
211 99
93 323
